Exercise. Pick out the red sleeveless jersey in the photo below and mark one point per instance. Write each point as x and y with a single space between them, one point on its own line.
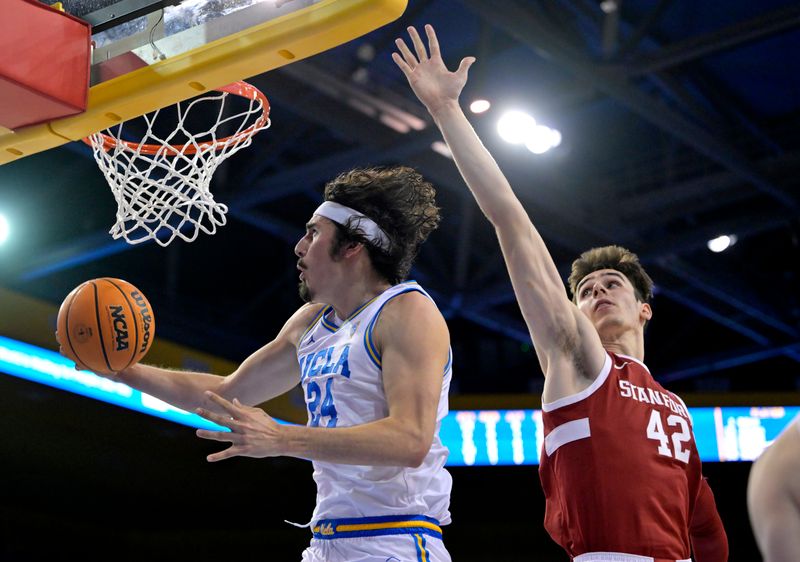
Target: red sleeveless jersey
619 466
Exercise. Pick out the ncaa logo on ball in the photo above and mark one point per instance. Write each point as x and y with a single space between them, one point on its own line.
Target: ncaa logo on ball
120 325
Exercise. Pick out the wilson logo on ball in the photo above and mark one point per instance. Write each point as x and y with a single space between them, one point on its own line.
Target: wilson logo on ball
140 301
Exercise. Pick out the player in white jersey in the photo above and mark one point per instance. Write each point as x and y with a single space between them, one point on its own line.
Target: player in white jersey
773 497
373 355
341 374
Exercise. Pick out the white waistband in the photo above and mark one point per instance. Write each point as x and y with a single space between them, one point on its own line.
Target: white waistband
616 557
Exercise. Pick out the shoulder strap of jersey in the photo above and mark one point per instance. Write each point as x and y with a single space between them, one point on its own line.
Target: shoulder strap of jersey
317 317
396 291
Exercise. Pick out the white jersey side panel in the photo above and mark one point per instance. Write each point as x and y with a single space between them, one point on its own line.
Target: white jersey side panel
343 386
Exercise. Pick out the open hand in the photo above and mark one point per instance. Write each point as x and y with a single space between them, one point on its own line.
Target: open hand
252 433
433 84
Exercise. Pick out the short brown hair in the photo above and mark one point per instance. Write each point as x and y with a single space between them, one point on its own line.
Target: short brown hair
400 201
612 257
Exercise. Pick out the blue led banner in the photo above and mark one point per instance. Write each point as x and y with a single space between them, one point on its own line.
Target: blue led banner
48 367
474 437
502 437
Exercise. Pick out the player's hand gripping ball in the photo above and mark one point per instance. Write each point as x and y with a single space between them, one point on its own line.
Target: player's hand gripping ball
105 325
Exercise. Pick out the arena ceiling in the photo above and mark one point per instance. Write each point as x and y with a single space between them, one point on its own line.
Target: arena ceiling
679 123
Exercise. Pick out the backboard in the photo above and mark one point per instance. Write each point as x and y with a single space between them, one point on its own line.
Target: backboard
150 54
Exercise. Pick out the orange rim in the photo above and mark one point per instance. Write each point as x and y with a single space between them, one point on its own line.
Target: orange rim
242 89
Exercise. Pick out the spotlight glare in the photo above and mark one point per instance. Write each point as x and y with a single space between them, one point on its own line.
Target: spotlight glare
609 6
4 229
541 139
479 106
515 126
555 138
721 243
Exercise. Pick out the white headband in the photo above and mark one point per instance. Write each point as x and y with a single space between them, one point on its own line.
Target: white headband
353 219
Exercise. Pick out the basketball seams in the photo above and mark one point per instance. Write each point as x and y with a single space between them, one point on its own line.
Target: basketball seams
99 327
75 294
135 346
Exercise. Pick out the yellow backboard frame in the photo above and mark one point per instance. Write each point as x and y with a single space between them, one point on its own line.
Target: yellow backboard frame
258 49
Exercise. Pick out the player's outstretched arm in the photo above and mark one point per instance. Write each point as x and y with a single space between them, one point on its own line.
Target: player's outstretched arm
267 373
558 329
413 341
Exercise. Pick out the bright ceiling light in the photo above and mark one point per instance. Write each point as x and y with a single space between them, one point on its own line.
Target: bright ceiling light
722 243
541 139
4 229
555 137
515 126
609 6
479 106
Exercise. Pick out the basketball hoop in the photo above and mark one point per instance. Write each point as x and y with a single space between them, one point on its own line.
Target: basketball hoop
162 187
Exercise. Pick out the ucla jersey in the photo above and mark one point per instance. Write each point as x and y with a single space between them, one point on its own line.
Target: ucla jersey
343 386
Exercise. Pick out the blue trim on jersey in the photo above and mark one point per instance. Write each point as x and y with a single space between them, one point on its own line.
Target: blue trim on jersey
330 326
422 550
333 327
312 324
372 351
328 529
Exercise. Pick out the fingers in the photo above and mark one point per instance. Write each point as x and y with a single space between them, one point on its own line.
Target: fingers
229 407
409 61
78 365
252 431
234 417
225 420
222 455
419 46
235 439
398 60
433 42
463 68
223 436
408 56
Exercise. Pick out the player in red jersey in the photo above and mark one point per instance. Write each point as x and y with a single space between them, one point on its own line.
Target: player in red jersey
620 468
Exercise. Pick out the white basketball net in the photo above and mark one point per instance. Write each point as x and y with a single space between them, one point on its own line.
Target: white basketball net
162 188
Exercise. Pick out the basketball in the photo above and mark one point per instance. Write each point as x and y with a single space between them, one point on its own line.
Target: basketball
105 325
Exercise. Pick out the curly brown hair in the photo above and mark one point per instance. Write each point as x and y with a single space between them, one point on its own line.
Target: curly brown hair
400 201
617 258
